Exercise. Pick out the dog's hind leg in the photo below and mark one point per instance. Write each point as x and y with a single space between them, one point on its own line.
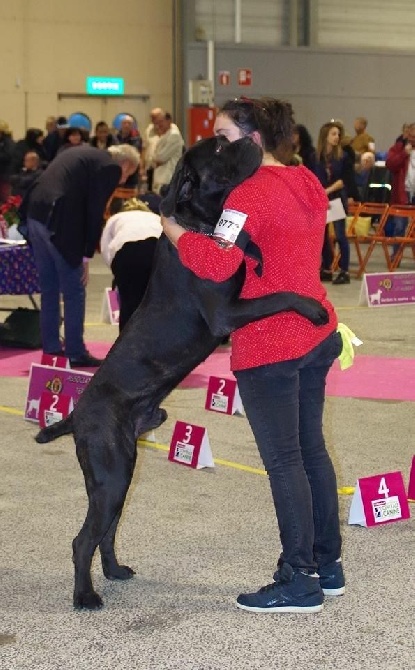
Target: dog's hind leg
110 566
107 482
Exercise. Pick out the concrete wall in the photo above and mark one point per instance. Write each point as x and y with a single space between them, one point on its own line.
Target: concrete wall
321 83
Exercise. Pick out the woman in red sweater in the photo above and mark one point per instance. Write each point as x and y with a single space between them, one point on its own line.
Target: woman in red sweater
281 362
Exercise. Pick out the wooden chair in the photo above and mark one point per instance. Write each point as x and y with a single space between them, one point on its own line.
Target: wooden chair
378 213
388 243
121 194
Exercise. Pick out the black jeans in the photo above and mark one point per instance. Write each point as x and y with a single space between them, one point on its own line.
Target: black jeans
344 247
284 405
131 268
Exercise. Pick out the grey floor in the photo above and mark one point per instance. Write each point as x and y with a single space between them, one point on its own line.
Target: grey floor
198 538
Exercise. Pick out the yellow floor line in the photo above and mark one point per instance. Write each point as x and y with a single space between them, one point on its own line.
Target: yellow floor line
11 410
343 490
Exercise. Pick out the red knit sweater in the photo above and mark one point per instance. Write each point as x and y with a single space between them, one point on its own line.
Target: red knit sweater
286 214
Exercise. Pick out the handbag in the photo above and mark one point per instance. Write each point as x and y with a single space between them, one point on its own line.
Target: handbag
21 329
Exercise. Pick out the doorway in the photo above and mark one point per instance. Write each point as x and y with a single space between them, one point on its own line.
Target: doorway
106 108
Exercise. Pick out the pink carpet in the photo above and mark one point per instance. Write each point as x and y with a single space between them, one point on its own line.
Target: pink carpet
373 377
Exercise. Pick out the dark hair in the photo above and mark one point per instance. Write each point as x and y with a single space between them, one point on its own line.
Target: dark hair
101 124
273 119
32 134
306 141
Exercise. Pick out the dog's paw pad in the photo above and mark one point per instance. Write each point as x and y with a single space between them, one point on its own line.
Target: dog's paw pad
122 572
87 601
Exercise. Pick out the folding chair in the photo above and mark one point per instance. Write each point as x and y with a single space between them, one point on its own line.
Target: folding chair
378 215
393 259
120 193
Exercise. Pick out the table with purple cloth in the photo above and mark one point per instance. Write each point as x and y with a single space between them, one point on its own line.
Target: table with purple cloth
18 274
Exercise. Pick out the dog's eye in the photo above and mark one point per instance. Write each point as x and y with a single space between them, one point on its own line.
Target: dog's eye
218 149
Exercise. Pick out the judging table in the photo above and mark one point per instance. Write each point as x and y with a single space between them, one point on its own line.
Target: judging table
18 274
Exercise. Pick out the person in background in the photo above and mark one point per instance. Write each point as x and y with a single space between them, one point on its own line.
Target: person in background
400 161
31 170
102 138
50 124
404 134
281 362
362 172
129 134
303 146
168 151
64 213
32 142
335 172
128 244
150 139
54 140
6 159
73 137
362 141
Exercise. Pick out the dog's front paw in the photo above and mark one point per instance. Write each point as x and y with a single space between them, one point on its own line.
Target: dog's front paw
87 601
122 572
313 311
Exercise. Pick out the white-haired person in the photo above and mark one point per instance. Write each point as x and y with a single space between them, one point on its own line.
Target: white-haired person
128 245
63 213
362 172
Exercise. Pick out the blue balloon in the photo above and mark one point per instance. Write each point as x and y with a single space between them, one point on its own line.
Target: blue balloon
80 120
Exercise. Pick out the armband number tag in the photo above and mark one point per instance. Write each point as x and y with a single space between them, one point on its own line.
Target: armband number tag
229 225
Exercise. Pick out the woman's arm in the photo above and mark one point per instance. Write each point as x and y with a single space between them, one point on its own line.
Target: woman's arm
336 186
172 229
201 254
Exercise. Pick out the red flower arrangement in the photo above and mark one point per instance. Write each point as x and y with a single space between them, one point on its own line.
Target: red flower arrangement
9 214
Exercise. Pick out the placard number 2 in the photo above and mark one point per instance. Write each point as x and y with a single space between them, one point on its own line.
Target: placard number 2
54 403
383 489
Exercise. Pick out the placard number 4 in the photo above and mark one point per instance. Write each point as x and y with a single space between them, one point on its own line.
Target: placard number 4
383 489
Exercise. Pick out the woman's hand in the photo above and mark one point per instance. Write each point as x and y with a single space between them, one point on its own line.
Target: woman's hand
172 229
85 273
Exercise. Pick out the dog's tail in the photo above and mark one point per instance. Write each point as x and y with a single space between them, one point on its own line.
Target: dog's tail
50 433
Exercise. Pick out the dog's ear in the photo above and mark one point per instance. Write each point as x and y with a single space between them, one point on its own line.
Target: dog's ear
244 157
179 189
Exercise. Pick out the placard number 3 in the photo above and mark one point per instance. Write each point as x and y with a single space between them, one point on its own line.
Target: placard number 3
187 434
383 489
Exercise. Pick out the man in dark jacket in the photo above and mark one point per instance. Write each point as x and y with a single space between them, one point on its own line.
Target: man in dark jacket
64 212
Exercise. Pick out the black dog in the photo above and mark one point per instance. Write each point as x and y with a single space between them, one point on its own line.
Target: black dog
180 321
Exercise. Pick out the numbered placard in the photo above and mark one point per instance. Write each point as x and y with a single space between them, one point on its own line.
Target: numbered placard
379 499
55 361
223 396
190 446
411 485
58 381
110 312
382 289
53 407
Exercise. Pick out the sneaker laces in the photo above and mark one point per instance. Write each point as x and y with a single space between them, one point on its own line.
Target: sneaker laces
283 575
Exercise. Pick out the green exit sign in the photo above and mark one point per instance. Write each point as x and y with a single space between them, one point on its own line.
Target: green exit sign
105 86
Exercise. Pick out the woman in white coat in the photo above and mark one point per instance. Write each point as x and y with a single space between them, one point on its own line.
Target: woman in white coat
128 244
